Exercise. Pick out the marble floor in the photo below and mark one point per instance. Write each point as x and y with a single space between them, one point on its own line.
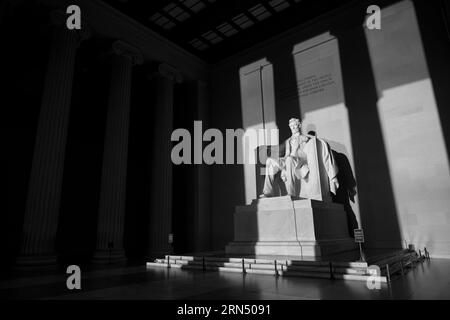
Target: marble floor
429 280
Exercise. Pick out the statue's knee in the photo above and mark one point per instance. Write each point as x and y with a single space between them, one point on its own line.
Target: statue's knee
270 162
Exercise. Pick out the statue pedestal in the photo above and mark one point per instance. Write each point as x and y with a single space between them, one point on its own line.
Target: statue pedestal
284 226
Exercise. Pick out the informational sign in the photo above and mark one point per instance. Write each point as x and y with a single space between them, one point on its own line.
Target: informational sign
170 237
359 235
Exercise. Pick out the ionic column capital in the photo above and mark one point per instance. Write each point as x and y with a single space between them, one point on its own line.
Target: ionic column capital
170 72
124 49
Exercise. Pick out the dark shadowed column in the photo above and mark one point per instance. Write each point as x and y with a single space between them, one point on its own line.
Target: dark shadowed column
161 197
202 177
44 189
110 226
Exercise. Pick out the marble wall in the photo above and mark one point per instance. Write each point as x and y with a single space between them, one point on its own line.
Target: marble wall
412 130
377 104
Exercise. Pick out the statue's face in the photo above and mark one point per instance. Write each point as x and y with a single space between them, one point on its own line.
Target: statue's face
295 127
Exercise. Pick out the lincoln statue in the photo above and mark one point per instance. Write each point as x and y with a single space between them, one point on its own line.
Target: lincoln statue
294 164
300 219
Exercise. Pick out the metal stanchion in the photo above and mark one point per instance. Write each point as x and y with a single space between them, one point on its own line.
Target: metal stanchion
388 273
427 254
401 266
276 269
331 270
243 266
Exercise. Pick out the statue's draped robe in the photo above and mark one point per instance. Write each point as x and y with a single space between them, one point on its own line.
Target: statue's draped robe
330 166
294 167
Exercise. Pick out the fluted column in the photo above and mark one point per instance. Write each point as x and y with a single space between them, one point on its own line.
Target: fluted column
161 191
202 176
110 226
44 189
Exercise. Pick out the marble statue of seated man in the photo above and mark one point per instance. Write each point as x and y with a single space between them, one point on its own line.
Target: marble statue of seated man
293 165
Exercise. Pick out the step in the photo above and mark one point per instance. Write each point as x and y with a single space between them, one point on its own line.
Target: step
162 265
224 269
327 276
156 264
200 263
393 259
382 279
374 260
379 259
206 258
355 264
260 271
326 269
397 267
322 268
352 270
349 264
304 274
284 272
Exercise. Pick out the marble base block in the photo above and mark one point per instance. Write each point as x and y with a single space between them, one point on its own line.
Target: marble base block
284 226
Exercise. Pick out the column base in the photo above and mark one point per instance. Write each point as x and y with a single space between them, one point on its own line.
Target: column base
32 261
109 256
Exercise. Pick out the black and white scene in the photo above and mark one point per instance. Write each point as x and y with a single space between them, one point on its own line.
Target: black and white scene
226 150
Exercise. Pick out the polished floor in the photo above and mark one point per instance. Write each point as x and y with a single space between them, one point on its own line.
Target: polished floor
429 280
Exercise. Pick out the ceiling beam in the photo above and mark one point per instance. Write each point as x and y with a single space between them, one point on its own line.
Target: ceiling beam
212 16
306 11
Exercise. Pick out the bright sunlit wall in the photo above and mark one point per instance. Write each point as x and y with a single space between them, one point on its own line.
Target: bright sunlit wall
380 112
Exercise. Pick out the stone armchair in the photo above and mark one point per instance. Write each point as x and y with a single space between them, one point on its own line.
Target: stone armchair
321 178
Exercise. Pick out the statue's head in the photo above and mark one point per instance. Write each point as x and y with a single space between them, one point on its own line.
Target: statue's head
295 125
